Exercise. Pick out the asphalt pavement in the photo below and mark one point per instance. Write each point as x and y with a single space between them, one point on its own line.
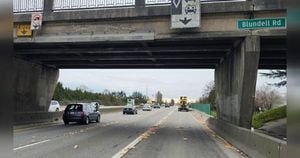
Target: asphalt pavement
161 133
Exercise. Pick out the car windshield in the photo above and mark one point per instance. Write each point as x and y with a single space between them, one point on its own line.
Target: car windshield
74 107
54 102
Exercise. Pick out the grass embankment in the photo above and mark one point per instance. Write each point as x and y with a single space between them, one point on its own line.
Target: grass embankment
259 119
213 114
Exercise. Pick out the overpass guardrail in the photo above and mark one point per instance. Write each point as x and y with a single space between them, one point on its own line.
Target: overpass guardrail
28 6
86 4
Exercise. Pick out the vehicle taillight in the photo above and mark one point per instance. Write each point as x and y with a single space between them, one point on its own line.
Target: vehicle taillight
81 114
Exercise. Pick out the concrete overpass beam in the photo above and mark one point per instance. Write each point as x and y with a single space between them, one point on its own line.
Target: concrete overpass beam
48 7
140 4
235 80
33 86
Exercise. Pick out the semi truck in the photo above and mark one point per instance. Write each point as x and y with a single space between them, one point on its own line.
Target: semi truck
183 104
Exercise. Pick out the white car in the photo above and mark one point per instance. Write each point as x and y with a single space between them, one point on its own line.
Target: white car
97 104
147 107
54 106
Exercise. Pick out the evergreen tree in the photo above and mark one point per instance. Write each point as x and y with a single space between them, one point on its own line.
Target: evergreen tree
281 74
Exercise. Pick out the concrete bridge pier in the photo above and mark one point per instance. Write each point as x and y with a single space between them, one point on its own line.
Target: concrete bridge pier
33 86
235 80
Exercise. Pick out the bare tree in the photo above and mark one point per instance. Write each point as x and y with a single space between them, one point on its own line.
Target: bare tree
265 98
172 102
159 97
209 94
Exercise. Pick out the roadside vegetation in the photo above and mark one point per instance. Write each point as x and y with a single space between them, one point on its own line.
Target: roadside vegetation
209 97
267 98
66 95
274 114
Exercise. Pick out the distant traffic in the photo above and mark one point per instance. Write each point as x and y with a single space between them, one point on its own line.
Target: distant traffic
86 113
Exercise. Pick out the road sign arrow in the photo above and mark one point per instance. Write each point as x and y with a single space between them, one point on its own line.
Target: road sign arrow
176 4
23 31
185 20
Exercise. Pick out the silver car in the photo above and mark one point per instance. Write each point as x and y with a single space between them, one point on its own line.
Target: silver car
147 107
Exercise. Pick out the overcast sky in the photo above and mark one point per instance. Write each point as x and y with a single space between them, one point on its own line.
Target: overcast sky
171 82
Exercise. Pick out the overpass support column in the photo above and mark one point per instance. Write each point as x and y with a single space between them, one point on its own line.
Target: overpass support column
235 81
33 86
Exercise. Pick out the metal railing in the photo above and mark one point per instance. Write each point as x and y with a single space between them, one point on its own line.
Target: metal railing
23 6
158 2
153 2
87 4
28 6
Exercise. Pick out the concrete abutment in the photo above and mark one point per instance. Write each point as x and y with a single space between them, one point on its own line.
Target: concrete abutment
235 80
33 86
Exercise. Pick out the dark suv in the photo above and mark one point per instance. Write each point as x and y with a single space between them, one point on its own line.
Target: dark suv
81 112
129 109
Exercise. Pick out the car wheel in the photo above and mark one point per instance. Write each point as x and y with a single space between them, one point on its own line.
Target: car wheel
124 113
66 122
87 121
98 119
57 109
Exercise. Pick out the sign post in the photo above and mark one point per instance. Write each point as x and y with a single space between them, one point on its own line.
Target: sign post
36 21
185 14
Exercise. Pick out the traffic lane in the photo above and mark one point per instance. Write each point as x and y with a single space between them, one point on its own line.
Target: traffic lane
23 137
36 134
102 142
181 136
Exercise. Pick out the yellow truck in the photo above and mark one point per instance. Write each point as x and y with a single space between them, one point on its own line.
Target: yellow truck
183 104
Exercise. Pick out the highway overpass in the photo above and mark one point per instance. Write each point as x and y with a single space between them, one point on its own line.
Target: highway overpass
138 35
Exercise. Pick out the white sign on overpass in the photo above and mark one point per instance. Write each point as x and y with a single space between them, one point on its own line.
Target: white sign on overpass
185 13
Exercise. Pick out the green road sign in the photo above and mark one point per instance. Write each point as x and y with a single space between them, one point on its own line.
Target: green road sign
269 23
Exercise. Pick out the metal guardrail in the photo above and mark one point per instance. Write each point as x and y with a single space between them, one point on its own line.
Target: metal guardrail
153 2
28 6
87 4
168 2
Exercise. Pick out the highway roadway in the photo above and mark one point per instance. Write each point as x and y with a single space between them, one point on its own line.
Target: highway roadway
161 133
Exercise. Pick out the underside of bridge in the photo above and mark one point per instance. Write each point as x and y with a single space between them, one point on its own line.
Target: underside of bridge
167 53
140 37
235 60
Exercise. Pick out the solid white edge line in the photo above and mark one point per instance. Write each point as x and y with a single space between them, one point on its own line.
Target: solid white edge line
25 146
122 152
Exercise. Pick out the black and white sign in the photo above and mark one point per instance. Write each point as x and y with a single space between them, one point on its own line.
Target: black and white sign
36 21
185 13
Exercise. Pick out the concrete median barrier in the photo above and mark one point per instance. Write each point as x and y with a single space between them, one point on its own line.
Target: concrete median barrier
105 110
22 118
254 144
